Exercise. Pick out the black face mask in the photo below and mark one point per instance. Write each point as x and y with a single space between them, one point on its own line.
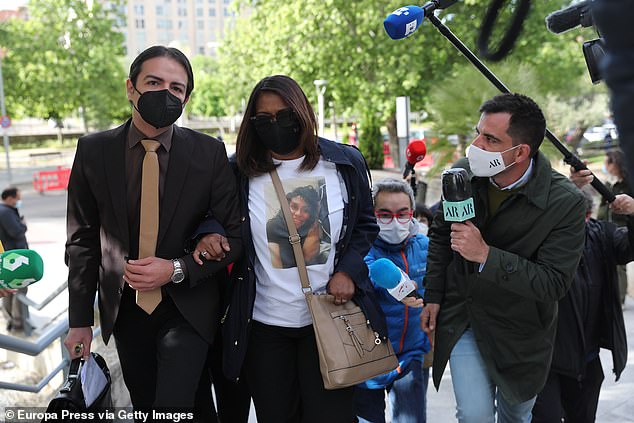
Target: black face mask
281 135
159 108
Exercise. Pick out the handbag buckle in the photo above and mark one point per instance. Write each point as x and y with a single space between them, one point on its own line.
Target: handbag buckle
294 239
308 290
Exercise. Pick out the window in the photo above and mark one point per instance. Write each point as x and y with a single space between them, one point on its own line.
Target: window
200 25
201 50
164 24
212 11
138 9
182 11
139 23
199 11
160 10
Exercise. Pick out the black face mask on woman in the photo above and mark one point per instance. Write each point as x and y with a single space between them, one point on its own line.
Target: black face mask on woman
159 108
280 132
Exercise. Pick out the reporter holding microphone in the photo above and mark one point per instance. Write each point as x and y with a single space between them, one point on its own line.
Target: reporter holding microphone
495 323
397 263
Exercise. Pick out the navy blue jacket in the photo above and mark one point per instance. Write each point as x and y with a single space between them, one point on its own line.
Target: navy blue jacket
360 231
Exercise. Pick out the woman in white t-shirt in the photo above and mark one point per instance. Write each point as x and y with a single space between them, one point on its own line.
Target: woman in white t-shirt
267 330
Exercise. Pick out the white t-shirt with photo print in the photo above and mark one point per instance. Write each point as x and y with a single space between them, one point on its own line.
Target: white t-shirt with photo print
316 202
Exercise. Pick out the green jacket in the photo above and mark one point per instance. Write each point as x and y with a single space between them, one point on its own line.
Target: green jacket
536 239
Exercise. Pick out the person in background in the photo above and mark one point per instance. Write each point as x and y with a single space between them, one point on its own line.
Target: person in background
268 335
493 282
13 236
615 166
399 241
590 317
424 217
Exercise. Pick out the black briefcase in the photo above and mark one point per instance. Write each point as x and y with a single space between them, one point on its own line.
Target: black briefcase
71 397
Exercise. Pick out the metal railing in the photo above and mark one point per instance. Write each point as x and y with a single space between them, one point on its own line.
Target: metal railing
34 348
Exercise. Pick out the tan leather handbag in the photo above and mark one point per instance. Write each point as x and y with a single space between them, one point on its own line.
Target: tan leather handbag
350 351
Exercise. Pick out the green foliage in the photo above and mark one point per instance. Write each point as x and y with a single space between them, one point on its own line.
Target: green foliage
207 99
371 141
344 43
340 41
63 58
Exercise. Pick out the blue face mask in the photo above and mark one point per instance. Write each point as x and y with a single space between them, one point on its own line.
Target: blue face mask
604 169
18 204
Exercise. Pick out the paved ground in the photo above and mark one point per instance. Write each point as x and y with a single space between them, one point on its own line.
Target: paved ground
45 215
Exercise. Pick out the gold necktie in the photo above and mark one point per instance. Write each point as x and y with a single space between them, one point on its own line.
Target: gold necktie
149 223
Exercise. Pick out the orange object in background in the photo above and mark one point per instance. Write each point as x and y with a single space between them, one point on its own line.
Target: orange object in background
50 180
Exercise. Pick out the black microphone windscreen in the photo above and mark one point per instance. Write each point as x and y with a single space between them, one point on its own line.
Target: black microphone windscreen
570 17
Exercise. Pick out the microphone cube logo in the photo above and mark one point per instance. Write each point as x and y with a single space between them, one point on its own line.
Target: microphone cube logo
458 211
410 27
10 262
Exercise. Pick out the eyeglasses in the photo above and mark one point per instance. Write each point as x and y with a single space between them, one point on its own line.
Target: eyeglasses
285 117
387 217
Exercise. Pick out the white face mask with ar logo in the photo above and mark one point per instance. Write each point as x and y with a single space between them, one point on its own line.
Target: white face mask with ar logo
487 163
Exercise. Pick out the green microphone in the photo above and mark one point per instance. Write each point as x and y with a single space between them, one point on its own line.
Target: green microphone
20 268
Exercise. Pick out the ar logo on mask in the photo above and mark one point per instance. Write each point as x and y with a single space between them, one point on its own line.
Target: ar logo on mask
494 163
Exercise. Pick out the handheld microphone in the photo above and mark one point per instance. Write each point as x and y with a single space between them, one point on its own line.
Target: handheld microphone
457 203
570 17
456 193
414 153
20 268
405 20
387 275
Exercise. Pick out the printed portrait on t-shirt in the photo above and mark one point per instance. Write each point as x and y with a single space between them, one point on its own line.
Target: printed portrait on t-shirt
308 202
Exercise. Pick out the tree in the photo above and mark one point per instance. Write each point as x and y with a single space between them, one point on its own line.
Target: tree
337 40
344 42
65 58
208 99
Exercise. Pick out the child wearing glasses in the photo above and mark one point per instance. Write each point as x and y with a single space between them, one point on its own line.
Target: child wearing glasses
400 241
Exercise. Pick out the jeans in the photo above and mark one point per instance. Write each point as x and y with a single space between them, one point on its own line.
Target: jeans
476 394
407 397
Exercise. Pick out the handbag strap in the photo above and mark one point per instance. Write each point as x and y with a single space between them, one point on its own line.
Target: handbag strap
294 239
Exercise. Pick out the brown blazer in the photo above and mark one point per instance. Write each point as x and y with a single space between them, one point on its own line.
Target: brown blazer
198 180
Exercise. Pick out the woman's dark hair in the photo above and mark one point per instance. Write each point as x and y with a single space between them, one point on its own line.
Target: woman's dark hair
617 158
162 51
252 156
311 197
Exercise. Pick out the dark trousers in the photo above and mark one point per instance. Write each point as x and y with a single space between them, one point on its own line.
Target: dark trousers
282 371
162 358
233 400
565 397
16 311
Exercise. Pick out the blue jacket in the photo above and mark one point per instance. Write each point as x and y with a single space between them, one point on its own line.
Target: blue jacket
360 230
410 343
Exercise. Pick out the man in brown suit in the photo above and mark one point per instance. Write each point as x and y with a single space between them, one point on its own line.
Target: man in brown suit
162 352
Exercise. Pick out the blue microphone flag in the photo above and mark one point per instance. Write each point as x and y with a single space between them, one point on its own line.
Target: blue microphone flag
403 21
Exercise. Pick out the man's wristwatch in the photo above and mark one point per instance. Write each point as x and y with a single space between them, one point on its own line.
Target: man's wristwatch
177 276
